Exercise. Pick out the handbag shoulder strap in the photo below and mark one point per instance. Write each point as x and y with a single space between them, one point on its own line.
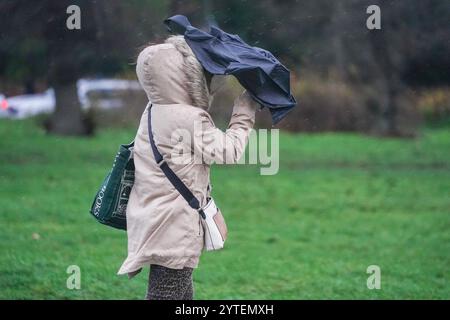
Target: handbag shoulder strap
168 172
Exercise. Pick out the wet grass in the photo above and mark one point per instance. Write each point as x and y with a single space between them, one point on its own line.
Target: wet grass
339 203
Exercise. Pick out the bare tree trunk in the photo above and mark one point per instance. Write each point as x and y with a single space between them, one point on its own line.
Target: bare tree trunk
338 23
64 69
390 85
68 117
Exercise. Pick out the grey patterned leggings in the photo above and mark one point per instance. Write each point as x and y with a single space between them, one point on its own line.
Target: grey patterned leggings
170 284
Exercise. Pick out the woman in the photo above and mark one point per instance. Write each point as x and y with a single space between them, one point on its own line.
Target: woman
163 230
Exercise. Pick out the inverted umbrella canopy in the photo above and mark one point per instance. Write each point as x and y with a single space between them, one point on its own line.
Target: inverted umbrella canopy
257 70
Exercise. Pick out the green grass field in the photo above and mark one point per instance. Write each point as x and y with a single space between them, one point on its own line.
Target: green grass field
340 203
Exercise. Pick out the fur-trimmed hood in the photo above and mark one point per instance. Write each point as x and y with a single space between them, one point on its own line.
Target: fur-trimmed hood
171 74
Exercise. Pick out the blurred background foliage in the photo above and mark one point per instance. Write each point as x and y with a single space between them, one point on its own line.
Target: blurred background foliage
344 76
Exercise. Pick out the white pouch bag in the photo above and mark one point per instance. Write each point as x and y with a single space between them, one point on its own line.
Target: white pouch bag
214 227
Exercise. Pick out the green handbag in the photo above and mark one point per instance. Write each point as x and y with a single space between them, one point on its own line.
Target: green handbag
110 203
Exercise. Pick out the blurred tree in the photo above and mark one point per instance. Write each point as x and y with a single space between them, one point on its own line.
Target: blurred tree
327 38
36 42
330 38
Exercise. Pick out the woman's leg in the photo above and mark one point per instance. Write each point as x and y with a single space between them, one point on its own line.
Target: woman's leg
169 284
189 294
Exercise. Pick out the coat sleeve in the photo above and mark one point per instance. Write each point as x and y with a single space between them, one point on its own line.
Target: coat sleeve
213 145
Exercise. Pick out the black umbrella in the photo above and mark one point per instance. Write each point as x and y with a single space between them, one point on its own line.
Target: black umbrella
256 69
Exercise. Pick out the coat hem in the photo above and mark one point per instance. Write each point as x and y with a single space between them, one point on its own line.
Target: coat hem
190 262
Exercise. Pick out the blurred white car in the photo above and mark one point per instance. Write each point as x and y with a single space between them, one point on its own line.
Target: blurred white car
23 106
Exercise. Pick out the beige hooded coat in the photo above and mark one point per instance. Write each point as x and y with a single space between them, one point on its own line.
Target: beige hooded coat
162 228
